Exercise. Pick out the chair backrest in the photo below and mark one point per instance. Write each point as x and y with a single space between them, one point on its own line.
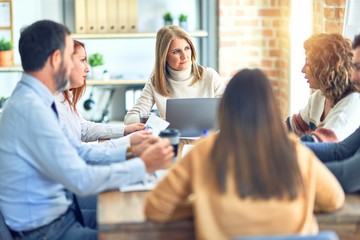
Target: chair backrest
322 235
4 230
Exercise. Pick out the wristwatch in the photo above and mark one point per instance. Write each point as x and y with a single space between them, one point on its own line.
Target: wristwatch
129 153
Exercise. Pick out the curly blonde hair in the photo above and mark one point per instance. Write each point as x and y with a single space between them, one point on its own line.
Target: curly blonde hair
330 56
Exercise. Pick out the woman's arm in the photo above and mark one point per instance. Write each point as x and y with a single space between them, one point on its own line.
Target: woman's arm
145 102
329 194
328 152
91 131
168 201
347 172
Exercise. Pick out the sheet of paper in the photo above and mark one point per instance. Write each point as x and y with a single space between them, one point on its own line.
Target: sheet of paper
186 148
156 124
148 184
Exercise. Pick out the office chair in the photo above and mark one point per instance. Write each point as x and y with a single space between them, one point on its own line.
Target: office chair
4 230
322 235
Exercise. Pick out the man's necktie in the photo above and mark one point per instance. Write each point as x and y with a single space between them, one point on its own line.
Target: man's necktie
53 107
70 195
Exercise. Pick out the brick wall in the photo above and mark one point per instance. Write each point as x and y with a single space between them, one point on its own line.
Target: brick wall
328 16
318 16
255 33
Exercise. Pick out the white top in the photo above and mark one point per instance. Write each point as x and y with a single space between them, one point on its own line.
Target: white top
87 131
342 118
178 85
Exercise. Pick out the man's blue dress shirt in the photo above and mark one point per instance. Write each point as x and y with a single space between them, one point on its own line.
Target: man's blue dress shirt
343 160
39 160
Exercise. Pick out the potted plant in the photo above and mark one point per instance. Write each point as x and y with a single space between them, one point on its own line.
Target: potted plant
183 21
6 53
168 18
96 61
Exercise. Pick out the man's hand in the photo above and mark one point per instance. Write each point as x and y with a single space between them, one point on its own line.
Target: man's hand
138 137
158 155
133 128
138 149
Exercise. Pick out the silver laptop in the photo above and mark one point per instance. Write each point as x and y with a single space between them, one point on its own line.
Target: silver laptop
192 116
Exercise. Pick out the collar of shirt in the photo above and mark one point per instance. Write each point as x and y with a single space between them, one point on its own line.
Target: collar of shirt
39 88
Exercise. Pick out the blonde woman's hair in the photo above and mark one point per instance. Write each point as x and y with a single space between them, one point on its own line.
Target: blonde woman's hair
164 38
329 57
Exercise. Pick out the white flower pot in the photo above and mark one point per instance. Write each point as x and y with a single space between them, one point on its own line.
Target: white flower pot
97 72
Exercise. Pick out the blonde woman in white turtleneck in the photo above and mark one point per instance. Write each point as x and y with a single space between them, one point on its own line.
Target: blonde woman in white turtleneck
176 75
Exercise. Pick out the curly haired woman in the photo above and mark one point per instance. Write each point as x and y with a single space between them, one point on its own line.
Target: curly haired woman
328 116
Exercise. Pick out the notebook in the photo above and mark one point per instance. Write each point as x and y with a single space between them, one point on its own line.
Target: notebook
192 116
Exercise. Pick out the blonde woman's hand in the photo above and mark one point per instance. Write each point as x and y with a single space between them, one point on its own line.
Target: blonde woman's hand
134 128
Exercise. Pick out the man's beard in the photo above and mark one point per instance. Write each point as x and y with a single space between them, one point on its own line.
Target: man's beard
62 81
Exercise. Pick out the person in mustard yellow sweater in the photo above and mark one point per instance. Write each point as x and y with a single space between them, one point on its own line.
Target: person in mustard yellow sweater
251 178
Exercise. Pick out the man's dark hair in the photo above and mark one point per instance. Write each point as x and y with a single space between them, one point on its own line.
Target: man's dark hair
356 42
38 41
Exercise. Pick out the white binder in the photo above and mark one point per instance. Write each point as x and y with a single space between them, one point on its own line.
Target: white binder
91 16
80 16
133 15
129 99
102 21
112 16
123 15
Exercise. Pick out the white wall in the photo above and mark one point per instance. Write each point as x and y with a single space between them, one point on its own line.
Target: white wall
300 31
24 13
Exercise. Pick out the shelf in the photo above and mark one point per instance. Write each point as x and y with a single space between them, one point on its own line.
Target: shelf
127 82
129 35
11 69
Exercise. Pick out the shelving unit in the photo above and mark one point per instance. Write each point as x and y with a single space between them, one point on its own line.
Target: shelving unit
11 69
199 33
119 82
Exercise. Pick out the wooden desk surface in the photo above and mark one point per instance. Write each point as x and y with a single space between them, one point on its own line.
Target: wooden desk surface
349 213
121 216
124 213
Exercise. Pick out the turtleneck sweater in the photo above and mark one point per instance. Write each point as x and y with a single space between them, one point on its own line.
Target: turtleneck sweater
178 84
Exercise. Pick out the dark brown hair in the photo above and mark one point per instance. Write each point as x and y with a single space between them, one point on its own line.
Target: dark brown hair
76 92
252 143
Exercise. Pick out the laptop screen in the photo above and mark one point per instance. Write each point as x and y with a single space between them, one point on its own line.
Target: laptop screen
192 116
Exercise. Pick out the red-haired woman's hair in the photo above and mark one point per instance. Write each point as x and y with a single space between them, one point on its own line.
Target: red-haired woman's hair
76 92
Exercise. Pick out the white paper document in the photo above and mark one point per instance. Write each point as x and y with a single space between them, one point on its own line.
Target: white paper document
156 124
186 148
148 184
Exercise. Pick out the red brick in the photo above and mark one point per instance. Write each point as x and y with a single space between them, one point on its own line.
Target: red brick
267 33
273 43
269 12
272 73
333 27
329 13
340 13
266 63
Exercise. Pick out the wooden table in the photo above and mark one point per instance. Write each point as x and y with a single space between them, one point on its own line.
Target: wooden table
346 221
121 216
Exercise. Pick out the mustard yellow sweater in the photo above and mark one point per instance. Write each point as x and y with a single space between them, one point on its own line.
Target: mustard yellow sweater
223 216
